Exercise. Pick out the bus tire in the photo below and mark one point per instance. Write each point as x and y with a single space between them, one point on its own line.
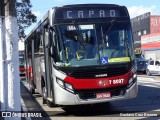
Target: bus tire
44 95
50 104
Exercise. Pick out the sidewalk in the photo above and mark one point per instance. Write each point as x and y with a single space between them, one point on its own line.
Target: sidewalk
31 105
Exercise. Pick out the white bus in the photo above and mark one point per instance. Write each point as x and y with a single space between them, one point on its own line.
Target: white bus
82 54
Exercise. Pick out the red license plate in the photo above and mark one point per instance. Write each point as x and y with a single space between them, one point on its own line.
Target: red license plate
103 95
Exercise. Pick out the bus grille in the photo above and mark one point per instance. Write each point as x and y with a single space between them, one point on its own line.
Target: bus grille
91 73
91 94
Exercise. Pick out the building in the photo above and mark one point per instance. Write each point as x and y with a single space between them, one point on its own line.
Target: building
146 34
151 46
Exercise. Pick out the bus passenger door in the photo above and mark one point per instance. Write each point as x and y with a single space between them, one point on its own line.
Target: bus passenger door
39 60
48 66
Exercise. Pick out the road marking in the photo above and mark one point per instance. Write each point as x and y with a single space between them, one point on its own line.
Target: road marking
150 82
146 79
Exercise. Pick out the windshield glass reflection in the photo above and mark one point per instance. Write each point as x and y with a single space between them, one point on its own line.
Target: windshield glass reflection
90 44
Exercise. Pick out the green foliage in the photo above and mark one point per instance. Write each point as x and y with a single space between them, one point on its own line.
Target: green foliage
25 17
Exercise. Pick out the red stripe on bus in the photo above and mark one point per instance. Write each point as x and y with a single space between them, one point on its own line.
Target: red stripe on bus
97 83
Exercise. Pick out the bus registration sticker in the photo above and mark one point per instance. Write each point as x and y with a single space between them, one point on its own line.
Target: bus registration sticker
103 95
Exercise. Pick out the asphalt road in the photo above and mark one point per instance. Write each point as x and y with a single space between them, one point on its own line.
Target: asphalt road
144 106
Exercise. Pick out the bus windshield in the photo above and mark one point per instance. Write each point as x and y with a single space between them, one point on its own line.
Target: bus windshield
93 44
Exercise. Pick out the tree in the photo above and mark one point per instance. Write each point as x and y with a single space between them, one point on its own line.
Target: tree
25 17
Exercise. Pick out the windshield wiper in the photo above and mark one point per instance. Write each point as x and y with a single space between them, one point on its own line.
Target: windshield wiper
128 50
109 28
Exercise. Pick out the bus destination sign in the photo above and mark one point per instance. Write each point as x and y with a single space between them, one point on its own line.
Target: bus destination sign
95 13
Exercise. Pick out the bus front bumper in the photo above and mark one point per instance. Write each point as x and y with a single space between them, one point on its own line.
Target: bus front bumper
63 97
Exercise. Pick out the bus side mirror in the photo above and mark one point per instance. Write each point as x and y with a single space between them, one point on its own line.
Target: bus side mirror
53 44
50 40
49 44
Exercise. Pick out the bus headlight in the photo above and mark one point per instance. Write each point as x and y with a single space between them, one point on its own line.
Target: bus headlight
65 85
134 76
132 80
69 87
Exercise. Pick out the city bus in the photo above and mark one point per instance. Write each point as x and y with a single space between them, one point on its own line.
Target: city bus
21 64
82 54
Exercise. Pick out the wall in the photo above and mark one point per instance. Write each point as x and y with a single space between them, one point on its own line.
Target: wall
139 24
150 41
151 46
154 24
152 54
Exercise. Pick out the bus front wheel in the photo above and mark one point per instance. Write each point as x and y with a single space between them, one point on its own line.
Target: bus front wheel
50 104
44 95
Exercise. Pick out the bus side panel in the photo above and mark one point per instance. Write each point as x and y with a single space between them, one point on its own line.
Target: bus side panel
38 72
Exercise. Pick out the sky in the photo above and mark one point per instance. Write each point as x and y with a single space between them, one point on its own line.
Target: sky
135 7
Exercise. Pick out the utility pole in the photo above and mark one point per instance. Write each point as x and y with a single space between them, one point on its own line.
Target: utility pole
3 71
12 58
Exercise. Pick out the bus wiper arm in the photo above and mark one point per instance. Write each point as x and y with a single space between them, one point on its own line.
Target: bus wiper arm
109 28
128 50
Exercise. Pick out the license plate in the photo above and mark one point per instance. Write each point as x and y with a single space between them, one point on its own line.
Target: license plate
103 95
